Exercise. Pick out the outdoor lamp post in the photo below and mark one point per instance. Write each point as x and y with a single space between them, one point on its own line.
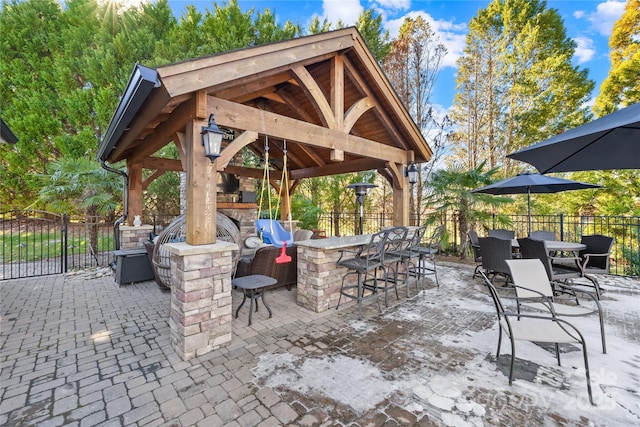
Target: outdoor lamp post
212 139
361 190
412 172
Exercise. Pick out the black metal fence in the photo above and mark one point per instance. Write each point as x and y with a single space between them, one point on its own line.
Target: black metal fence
625 259
37 243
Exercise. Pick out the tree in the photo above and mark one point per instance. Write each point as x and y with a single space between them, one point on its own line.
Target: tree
377 39
412 67
450 192
516 81
622 86
72 183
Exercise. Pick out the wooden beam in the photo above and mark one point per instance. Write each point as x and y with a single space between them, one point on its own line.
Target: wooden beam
337 91
242 171
161 163
356 111
202 179
135 190
296 107
316 96
378 79
190 76
242 117
379 109
336 168
165 131
153 107
252 87
178 140
157 174
244 139
312 154
337 155
201 105
397 174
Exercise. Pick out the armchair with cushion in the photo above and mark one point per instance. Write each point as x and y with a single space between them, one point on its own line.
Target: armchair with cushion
264 262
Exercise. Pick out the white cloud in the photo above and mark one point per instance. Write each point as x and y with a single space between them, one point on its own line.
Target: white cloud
579 14
585 50
392 4
606 15
451 35
346 11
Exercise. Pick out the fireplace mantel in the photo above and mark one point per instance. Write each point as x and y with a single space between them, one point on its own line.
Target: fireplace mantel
225 205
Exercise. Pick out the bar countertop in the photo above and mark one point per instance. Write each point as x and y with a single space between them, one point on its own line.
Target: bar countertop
332 243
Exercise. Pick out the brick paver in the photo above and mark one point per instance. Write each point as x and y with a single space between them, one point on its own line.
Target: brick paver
82 351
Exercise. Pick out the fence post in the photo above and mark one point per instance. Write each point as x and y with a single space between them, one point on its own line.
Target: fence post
65 236
561 226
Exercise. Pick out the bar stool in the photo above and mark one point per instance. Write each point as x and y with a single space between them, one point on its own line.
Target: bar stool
365 263
428 255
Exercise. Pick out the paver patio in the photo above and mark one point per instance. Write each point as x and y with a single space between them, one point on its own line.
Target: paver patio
79 350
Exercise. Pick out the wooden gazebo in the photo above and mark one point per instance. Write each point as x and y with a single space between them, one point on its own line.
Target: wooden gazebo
324 94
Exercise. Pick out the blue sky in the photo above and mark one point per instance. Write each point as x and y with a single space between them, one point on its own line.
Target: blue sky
587 22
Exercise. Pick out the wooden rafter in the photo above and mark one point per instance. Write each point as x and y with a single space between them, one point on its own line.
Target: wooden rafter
157 174
165 131
317 98
244 139
380 111
244 63
163 164
336 168
242 117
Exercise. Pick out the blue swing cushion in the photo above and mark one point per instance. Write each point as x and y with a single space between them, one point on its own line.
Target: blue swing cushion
273 233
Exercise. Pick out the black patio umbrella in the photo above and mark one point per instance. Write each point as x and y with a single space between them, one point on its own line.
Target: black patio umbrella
610 142
527 183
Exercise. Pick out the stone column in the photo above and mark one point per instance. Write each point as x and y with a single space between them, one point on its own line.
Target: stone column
134 237
200 297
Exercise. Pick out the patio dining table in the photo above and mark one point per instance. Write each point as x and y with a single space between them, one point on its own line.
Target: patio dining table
557 246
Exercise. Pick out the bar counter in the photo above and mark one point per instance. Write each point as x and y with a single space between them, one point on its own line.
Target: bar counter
319 279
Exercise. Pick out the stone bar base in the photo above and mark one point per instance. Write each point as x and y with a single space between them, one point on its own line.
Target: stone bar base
319 279
200 297
134 237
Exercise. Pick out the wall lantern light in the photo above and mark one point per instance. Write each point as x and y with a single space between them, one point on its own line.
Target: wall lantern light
412 172
212 139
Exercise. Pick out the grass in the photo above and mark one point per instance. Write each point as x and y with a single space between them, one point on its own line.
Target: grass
28 247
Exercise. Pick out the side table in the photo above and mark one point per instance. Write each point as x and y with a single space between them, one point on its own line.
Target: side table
255 286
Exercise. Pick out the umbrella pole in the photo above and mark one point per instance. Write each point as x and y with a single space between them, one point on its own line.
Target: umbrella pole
529 207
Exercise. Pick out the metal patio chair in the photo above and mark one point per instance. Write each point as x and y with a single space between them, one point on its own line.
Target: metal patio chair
595 259
392 259
501 233
365 264
495 252
543 235
410 259
559 269
477 253
538 329
530 282
427 260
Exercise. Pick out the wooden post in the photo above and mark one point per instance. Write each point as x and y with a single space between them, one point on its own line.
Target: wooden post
401 203
201 189
285 202
135 191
